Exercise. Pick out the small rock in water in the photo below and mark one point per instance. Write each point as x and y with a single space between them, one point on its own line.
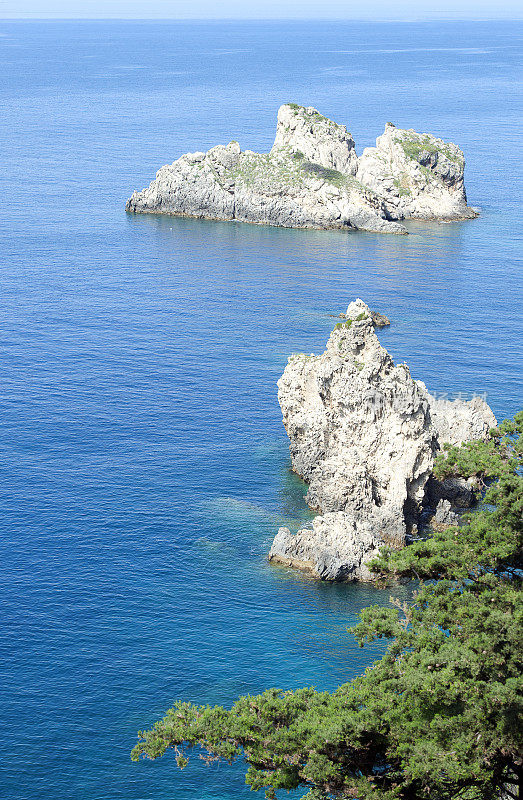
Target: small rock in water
445 516
380 320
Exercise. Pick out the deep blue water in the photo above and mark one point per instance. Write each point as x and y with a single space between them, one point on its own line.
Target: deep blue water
143 465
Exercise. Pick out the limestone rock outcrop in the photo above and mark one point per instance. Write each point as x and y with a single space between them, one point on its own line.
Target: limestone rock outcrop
417 175
312 178
336 548
362 435
458 421
320 140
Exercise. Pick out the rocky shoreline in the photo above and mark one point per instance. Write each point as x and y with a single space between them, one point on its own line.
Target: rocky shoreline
364 434
313 178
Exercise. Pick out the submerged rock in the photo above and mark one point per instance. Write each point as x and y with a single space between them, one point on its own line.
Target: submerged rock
312 178
362 435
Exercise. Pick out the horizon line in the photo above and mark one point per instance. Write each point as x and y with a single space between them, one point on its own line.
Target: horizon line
428 17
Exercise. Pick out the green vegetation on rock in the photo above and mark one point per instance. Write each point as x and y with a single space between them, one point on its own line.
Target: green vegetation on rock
401 185
300 357
330 175
268 172
320 118
315 115
415 144
340 325
439 715
289 169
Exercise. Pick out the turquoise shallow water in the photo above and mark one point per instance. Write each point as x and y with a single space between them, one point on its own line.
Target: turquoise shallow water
143 465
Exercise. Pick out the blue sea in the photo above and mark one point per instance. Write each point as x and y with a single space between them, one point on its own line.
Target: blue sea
144 469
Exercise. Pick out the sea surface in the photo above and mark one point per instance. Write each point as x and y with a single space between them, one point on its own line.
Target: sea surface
144 469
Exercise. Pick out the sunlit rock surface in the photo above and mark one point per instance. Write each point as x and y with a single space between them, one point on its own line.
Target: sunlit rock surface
312 178
363 434
418 175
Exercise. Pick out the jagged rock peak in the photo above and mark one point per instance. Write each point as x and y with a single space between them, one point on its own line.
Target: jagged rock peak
358 307
318 139
363 434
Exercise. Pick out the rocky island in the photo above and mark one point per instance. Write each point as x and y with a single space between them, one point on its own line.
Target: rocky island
313 178
363 434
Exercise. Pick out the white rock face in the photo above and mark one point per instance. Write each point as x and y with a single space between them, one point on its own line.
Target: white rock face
458 421
337 548
362 434
417 175
308 181
281 188
306 131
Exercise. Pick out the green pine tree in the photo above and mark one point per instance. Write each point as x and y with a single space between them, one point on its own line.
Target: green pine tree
439 716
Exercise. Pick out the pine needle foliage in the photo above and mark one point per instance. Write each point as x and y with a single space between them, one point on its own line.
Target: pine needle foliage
439 716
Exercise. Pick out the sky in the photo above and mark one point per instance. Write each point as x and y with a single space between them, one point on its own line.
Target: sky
262 9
